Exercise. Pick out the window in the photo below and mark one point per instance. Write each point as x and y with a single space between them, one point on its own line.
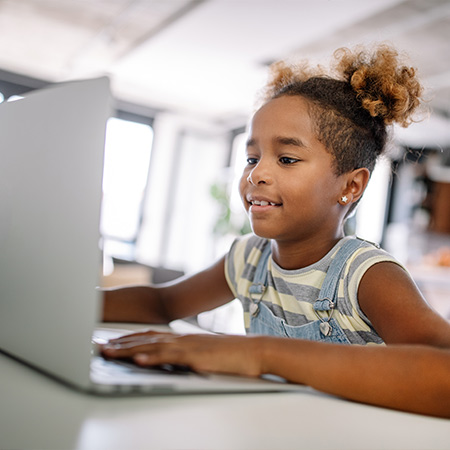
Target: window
371 213
180 212
127 158
129 139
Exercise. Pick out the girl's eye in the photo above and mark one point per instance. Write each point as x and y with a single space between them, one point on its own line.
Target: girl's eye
286 160
252 161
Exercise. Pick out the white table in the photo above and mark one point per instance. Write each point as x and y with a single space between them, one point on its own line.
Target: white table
37 412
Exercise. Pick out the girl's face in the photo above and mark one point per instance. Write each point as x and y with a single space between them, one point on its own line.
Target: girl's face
288 187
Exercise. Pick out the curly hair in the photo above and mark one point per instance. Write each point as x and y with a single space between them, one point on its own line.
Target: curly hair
354 103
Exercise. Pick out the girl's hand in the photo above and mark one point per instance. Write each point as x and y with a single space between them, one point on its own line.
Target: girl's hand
202 353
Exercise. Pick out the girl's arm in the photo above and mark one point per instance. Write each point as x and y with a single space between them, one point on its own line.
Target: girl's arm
391 300
184 297
409 378
404 377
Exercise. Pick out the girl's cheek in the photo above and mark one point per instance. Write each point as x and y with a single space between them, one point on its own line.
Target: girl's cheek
242 195
242 185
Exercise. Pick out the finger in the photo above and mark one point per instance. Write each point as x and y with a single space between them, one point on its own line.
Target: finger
162 354
149 359
169 361
134 340
147 344
135 336
123 351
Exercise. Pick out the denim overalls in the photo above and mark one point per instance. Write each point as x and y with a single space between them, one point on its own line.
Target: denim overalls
263 321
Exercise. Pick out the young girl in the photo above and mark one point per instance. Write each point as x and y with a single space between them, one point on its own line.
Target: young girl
311 148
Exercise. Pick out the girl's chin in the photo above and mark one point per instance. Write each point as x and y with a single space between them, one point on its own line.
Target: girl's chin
263 232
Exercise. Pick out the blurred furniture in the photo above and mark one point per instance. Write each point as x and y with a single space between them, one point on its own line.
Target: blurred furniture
129 272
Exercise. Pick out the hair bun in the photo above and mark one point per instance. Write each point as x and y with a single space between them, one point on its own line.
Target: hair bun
386 88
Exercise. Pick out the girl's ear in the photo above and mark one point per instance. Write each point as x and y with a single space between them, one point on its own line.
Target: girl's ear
356 184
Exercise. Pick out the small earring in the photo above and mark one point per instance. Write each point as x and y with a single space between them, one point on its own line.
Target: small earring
344 199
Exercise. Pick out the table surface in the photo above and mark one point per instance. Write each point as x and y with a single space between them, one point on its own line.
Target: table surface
38 412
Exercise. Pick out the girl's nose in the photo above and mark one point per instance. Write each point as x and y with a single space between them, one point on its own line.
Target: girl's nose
259 175
249 179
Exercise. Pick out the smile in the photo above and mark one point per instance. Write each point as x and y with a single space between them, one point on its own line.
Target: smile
261 203
264 203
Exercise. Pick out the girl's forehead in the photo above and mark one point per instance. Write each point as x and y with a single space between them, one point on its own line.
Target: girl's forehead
286 102
289 113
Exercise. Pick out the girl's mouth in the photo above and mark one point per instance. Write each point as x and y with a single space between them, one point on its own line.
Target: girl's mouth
262 206
263 203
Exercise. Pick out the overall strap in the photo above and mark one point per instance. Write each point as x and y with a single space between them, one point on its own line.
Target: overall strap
328 293
260 278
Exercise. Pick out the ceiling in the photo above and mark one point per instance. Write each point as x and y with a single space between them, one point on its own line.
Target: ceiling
208 58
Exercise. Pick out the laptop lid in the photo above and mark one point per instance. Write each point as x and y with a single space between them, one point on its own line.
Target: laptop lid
51 153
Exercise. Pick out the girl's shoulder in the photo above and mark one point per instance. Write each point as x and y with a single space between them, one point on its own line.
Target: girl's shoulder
367 254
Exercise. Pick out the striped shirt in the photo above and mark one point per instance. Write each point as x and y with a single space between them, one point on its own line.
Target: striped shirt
291 294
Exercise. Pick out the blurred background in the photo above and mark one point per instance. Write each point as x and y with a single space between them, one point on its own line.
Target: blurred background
185 75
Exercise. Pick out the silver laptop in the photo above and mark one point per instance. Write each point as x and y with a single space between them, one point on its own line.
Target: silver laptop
51 165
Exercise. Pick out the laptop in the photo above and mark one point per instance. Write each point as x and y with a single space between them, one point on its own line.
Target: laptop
51 153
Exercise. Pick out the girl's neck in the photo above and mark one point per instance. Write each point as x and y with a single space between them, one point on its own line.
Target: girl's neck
297 255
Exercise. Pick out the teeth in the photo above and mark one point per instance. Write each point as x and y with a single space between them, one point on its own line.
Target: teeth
263 203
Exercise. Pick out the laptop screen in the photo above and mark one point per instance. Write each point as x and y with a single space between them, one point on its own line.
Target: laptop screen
51 152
